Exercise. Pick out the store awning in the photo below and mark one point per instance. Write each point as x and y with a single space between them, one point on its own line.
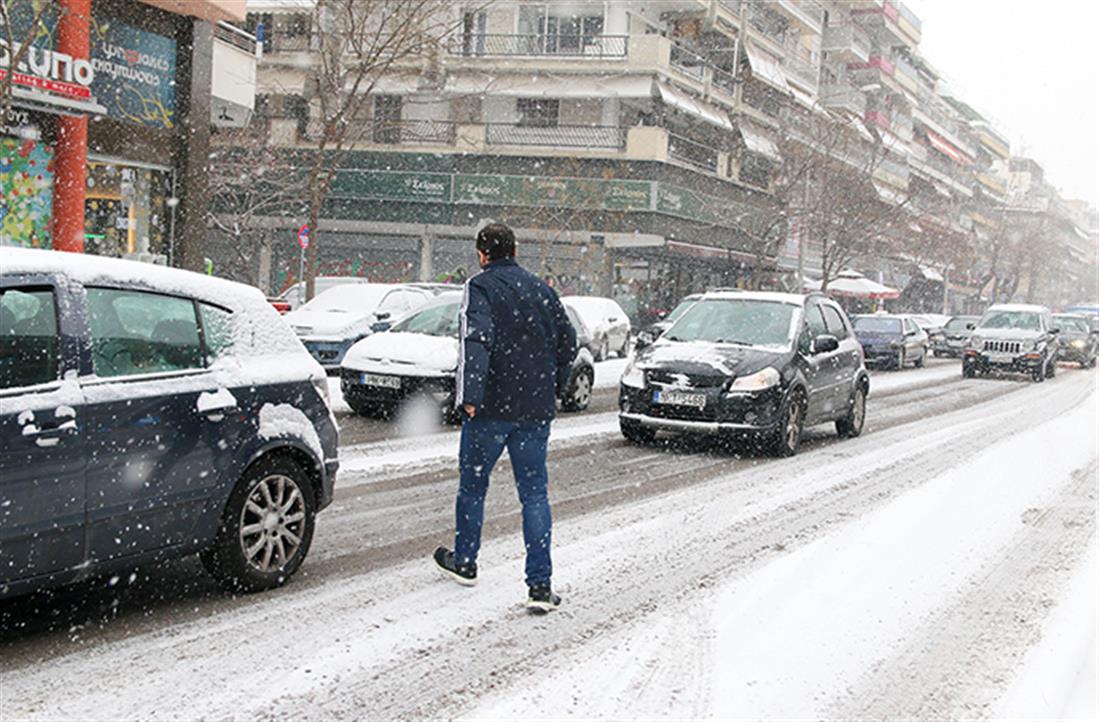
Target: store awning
852 284
692 106
803 97
541 86
281 7
760 142
939 144
766 69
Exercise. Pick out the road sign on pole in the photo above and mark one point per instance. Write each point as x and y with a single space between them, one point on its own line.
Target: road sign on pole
303 237
303 243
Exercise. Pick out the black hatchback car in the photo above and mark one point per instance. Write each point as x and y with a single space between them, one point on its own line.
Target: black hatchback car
758 365
148 413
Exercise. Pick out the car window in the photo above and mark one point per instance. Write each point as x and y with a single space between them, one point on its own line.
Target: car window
815 321
1068 323
217 327
748 323
28 337
437 320
834 321
135 332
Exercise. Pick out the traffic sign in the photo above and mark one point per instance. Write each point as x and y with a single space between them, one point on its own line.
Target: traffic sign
303 237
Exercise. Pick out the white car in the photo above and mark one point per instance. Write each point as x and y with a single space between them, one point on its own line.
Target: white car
607 327
418 358
333 321
293 297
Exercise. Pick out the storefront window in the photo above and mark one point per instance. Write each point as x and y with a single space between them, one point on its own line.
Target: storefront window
126 210
26 175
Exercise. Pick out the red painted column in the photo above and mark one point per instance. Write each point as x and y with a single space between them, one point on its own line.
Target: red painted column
71 152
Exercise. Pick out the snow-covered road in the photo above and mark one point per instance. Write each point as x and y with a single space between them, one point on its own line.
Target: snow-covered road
915 572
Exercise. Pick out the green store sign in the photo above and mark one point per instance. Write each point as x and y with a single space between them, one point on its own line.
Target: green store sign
503 190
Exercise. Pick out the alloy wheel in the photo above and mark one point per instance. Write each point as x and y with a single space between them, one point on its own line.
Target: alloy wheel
272 523
858 412
793 424
581 395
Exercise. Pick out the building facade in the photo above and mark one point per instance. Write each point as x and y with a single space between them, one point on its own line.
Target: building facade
106 131
641 148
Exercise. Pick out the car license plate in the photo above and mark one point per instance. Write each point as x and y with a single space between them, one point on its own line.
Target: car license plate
955 343
1000 358
679 398
386 382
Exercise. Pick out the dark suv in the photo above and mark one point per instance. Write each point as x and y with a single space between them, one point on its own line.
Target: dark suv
149 413
760 365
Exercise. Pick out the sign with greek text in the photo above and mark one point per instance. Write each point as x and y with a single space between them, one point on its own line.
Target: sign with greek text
134 73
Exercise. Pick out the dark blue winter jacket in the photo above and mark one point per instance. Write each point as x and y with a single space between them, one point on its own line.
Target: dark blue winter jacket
517 345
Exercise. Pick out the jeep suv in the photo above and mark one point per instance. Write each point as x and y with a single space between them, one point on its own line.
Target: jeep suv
148 413
755 365
1013 337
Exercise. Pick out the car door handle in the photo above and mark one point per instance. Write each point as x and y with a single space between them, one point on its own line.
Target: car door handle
214 405
47 436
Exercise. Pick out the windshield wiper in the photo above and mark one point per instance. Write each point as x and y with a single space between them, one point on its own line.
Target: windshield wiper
734 341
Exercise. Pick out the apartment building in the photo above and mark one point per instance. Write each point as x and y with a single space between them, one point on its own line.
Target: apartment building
638 143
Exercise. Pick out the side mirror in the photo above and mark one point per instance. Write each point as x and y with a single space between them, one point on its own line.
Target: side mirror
382 315
825 343
971 327
1055 331
644 340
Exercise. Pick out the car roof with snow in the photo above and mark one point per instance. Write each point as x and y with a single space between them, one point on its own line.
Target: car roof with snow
796 299
90 270
1019 307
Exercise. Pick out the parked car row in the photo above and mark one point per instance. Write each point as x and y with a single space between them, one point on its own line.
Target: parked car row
148 413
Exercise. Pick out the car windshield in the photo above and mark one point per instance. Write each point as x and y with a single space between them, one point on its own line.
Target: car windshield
680 309
740 321
436 320
349 298
874 324
1021 320
1071 324
959 323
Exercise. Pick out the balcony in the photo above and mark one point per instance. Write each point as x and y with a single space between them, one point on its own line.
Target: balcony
688 152
233 92
843 97
766 22
411 132
598 137
847 43
688 62
723 82
525 46
807 13
886 24
803 69
906 75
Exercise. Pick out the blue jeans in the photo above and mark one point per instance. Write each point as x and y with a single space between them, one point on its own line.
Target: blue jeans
482 443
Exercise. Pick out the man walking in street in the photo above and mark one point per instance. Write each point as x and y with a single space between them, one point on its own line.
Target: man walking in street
517 348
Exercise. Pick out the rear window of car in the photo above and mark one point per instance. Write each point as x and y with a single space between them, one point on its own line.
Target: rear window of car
872 324
28 337
137 332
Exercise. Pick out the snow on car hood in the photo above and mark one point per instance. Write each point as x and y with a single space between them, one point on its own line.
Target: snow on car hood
1007 334
697 357
314 323
406 354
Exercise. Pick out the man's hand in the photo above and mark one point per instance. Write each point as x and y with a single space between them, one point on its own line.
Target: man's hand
470 410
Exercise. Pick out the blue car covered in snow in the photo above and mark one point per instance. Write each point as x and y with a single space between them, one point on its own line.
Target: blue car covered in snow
149 413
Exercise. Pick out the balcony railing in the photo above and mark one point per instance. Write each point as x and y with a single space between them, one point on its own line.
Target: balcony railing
574 46
412 132
802 68
688 62
724 81
809 12
601 137
692 153
286 41
848 36
732 6
845 97
767 21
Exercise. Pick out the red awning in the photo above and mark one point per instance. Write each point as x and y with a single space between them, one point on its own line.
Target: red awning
946 149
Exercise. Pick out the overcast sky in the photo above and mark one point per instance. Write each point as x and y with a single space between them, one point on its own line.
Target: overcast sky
1033 69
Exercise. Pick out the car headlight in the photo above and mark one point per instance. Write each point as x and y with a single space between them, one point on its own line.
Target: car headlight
758 381
1078 343
975 341
633 376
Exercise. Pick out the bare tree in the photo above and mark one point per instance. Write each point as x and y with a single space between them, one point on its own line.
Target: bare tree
355 44
250 179
22 22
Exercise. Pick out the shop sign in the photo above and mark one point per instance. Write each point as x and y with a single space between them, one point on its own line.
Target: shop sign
392 185
135 74
18 123
557 192
48 70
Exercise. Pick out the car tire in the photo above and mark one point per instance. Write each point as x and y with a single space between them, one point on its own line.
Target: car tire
901 360
1051 368
969 371
851 425
919 363
636 433
938 354
1038 374
787 437
271 506
578 395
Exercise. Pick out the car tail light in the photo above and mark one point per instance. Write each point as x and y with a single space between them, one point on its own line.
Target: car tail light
281 306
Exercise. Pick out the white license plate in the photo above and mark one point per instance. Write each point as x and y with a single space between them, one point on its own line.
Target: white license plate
1000 358
679 398
386 382
955 344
